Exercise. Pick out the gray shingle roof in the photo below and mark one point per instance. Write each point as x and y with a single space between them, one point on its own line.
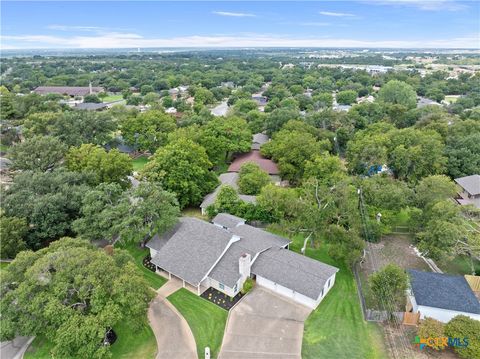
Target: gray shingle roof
257 240
158 241
471 184
192 251
227 269
258 140
227 220
444 291
90 106
230 179
302 274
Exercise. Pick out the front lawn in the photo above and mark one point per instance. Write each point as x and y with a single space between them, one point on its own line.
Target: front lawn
206 320
130 344
459 265
336 329
111 98
154 280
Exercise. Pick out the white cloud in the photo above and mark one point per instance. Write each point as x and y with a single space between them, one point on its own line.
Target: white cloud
428 5
336 14
132 40
233 14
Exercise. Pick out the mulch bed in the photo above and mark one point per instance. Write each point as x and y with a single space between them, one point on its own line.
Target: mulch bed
148 264
221 299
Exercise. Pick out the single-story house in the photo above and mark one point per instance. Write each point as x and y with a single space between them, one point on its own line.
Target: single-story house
230 179
470 190
423 101
68 90
441 296
258 140
254 156
91 106
224 253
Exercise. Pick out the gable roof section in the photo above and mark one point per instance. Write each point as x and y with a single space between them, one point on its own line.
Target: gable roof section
193 250
254 156
158 241
471 184
227 220
302 274
227 270
256 240
443 291
67 90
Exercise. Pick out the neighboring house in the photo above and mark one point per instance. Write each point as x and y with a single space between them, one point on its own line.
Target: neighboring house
441 296
171 110
230 179
68 90
260 100
223 254
91 106
254 156
120 144
423 101
258 140
470 193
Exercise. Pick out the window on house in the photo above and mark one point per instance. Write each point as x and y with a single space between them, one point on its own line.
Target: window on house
221 286
235 288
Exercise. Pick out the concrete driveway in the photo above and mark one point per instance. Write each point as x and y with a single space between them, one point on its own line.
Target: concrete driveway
14 349
174 337
264 326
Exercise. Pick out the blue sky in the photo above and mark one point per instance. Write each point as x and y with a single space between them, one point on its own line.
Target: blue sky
361 23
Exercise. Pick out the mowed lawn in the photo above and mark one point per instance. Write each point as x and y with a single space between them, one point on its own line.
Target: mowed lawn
139 162
154 280
206 320
111 98
130 344
336 329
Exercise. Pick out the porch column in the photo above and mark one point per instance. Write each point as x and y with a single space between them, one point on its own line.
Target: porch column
183 283
198 289
169 275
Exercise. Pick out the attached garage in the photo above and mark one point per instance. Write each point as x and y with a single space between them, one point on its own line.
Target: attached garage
294 276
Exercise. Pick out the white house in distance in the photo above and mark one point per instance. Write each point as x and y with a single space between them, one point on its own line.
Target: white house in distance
441 296
223 254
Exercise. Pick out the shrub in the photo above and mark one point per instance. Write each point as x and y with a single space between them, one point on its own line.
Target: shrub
247 286
431 328
464 327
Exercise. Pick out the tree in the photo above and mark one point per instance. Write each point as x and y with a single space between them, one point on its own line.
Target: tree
148 130
398 92
13 231
38 153
252 178
384 192
345 245
227 201
92 98
145 211
388 285
278 117
433 189
49 202
99 212
108 167
72 293
347 97
431 328
467 329
223 136
326 168
182 167
280 202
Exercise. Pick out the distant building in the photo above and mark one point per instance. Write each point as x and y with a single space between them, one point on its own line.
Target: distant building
258 140
228 84
68 90
90 106
423 101
171 110
470 190
441 296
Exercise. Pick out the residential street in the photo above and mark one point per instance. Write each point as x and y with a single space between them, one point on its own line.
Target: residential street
264 326
174 337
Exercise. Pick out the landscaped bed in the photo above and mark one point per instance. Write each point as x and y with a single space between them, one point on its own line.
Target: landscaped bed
206 320
221 299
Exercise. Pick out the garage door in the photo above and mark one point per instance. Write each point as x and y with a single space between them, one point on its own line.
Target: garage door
286 292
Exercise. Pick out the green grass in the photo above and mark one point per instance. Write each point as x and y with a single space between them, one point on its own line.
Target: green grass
459 265
139 162
111 98
130 344
206 320
133 344
336 329
4 148
451 99
154 280
194 212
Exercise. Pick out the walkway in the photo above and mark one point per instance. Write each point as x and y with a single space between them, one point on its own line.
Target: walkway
264 325
14 349
174 337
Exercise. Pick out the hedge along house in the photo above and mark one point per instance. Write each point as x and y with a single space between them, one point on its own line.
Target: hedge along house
223 254
441 296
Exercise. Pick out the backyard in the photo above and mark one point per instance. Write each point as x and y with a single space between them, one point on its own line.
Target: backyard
206 320
139 162
111 98
336 328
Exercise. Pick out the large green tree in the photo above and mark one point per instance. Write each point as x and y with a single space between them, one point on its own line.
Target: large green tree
252 178
39 153
182 167
72 293
109 167
388 286
13 231
148 130
398 93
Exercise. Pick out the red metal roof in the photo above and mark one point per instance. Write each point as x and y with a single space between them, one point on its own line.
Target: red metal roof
67 90
254 156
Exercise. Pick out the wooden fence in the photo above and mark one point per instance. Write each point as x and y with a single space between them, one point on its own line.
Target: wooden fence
473 282
410 318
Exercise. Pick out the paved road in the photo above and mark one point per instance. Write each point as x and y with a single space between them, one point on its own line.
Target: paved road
14 349
174 337
220 110
264 326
